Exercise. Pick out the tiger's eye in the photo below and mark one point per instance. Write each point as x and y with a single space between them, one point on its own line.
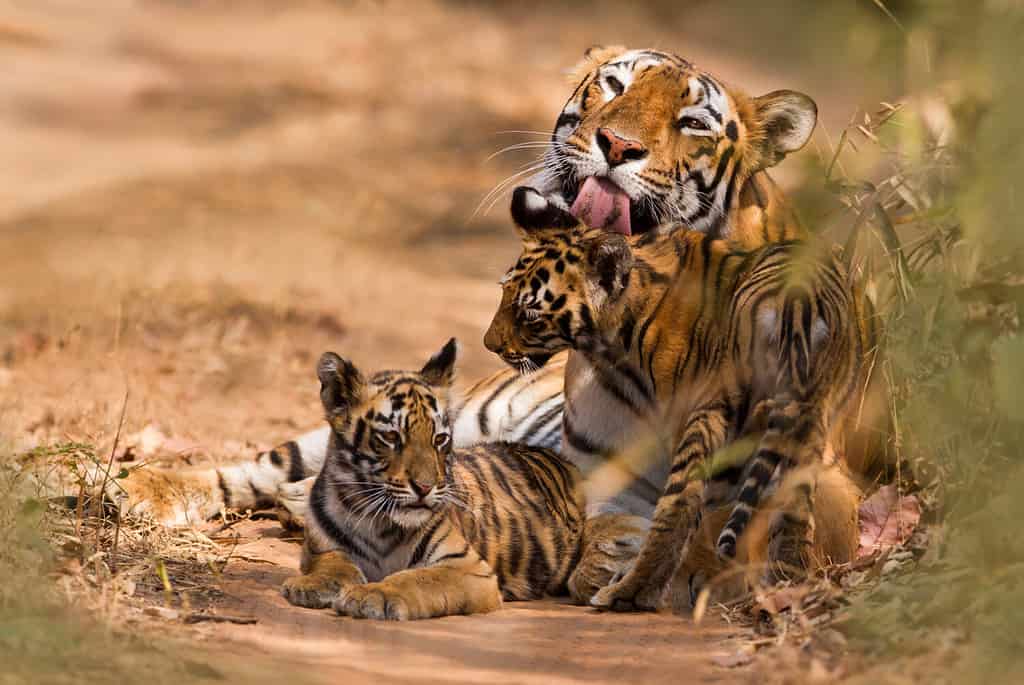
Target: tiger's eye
441 440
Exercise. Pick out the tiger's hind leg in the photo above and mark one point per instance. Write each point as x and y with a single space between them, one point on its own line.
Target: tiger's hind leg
795 436
791 533
611 543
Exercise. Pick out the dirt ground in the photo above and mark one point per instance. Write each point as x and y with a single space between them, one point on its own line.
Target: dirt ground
198 198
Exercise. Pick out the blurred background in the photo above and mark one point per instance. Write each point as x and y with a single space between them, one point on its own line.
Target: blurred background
201 196
198 197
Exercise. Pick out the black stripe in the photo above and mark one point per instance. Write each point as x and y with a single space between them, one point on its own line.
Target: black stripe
224 493
319 512
453 555
296 468
481 415
421 548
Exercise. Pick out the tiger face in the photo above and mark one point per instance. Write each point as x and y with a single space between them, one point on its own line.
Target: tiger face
647 139
390 446
564 279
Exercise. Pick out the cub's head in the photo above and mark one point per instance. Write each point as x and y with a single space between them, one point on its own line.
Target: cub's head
553 295
390 449
648 139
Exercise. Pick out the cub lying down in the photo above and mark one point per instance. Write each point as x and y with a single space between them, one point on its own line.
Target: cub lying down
402 526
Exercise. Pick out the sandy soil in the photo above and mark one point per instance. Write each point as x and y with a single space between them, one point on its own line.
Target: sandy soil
526 642
198 198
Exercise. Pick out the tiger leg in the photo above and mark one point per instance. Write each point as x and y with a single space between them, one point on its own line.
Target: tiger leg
795 435
324 576
791 532
644 585
611 543
466 585
188 497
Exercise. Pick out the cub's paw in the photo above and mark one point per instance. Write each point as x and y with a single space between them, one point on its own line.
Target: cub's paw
612 543
376 601
629 594
311 591
293 504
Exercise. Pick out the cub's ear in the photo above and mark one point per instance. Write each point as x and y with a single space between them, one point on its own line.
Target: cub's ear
439 371
535 215
341 384
610 261
784 122
593 57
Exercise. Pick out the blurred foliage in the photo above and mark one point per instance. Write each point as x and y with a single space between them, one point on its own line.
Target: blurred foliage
925 192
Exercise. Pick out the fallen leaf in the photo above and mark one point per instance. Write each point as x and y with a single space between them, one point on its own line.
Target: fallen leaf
887 518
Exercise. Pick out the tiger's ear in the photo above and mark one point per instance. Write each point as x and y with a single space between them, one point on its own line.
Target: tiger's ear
439 371
784 121
593 57
341 384
536 217
609 261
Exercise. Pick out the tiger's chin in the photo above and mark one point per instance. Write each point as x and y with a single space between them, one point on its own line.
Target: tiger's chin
526 364
412 517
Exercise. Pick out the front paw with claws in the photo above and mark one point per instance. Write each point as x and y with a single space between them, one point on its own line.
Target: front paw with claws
629 594
311 591
376 601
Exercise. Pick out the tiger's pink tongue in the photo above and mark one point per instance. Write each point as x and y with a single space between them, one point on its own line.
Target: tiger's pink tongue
602 204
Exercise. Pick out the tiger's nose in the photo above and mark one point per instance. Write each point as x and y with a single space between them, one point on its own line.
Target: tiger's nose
421 488
492 341
617 149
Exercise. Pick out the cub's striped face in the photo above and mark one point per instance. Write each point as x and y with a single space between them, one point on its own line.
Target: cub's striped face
391 436
554 292
648 139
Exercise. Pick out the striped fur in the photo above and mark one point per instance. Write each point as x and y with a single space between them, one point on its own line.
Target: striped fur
702 345
701 147
401 525
713 183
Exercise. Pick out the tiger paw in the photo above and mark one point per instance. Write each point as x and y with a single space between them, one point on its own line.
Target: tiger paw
293 504
376 601
613 543
311 591
629 594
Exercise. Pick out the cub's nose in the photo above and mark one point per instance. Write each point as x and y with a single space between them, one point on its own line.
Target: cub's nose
617 149
492 341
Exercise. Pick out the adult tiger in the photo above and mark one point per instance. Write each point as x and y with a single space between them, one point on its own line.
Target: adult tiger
704 347
645 142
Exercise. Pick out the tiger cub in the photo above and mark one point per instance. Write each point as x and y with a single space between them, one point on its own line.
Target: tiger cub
402 526
708 346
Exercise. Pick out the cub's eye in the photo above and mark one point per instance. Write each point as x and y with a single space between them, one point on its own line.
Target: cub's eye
388 439
693 123
614 85
441 440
